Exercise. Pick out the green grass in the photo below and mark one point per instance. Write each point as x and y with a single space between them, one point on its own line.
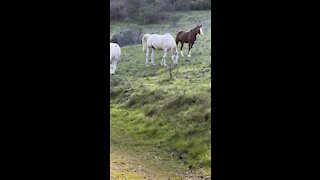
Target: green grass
173 115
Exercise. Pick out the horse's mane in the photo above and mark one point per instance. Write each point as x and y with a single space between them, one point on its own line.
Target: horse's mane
193 29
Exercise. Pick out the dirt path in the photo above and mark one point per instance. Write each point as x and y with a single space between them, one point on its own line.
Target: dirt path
133 157
143 165
129 160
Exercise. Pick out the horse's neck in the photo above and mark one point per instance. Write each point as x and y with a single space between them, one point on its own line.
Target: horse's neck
193 34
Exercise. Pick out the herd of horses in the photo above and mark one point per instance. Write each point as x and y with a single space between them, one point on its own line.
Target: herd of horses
166 42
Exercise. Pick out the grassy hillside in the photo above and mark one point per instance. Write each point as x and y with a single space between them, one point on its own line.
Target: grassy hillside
166 119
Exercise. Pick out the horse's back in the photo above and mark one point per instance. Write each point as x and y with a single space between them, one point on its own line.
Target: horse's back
115 51
182 36
179 33
161 41
169 37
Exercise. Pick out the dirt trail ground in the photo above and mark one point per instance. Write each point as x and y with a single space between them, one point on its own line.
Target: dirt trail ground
143 165
130 160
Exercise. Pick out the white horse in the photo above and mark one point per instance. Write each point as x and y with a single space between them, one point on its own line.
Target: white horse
115 53
165 42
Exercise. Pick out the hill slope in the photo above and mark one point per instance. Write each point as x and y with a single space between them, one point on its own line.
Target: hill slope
161 127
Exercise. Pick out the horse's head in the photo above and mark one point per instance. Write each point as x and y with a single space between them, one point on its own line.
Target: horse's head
199 30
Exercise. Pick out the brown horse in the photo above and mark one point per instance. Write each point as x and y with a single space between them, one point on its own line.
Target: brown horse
188 37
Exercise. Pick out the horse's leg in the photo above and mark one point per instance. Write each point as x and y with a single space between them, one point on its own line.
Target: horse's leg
162 57
181 49
147 54
152 56
175 57
113 69
189 52
111 66
163 61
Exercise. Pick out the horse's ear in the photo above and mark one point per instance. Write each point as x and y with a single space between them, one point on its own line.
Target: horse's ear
201 25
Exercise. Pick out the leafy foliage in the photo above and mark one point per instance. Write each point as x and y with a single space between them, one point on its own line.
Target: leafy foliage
147 11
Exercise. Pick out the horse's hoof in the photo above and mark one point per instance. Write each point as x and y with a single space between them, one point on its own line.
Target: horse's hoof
165 65
189 55
147 65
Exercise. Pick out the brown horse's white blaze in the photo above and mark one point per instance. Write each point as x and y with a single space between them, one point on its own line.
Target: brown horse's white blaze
188 37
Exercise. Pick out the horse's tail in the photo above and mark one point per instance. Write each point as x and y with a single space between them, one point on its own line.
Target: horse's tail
144 42
177 37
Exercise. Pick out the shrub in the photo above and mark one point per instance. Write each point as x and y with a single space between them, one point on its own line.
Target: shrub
200 5
147 11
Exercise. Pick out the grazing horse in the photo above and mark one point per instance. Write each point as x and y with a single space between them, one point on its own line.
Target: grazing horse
188 37
115 53
166 42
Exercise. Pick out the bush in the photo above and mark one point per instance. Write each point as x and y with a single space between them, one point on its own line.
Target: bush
123 9
181 5
130 37
149 14
200 5
147 11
